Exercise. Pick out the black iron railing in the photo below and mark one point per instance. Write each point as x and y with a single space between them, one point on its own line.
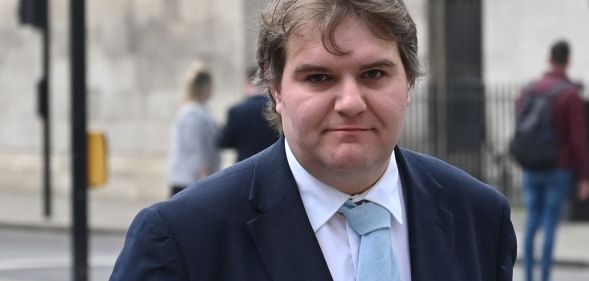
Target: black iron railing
491 161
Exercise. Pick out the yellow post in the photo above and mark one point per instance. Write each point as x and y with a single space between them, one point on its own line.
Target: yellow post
97 157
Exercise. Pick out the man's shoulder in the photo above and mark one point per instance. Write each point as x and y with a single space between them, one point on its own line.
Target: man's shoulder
453 180
248 106
434 165
223 195
566 93
253 102
552 81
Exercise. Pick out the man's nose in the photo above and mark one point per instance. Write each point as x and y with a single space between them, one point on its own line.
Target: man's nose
350 100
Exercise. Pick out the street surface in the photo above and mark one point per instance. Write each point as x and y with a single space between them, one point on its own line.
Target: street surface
558 274
44 255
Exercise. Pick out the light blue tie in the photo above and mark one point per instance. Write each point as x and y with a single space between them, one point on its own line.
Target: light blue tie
376 261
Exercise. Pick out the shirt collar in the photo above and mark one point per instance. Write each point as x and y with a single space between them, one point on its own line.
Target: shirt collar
322 201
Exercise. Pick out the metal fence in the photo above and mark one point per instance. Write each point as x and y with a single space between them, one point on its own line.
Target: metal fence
491 159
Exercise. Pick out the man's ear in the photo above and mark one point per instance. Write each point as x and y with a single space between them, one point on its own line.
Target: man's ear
277 98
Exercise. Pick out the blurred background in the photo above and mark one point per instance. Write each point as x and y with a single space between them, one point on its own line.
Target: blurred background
477 54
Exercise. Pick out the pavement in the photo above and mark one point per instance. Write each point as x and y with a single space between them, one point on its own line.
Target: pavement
23 209
106 214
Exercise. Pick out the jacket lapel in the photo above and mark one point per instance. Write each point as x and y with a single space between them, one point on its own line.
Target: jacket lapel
430 223
282 233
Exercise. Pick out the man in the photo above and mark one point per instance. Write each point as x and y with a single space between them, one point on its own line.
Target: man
547 190
246 130
339 74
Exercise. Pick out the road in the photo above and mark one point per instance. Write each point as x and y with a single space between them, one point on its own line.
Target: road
559 274
41 255
35 255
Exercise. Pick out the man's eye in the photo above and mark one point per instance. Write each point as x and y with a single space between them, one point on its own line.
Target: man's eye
317 78
373 74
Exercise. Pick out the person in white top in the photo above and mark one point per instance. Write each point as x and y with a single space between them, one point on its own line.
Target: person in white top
194 153
339 74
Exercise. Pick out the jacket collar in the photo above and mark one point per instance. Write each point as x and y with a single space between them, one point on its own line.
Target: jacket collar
430 222
282 233
288 246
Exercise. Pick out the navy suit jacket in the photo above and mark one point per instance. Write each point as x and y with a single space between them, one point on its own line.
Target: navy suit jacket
247 130
248 222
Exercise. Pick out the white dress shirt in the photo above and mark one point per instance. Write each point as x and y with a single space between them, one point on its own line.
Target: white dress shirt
339 242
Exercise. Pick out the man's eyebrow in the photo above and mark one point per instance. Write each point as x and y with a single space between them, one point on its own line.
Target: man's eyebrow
379 63
305 68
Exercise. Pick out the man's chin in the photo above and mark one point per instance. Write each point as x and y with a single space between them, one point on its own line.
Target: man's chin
355 160
349 163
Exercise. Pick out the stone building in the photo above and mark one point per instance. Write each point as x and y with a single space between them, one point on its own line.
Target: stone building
139 50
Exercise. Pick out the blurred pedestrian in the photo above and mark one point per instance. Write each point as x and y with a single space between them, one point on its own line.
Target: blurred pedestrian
547 189
194 153
335 198
247 130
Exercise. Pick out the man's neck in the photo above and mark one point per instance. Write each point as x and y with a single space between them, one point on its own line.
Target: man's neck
558 68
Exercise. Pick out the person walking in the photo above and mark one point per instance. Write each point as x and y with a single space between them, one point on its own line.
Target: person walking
546 190
193 153
247 130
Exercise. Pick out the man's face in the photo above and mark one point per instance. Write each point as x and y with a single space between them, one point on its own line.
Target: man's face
342 114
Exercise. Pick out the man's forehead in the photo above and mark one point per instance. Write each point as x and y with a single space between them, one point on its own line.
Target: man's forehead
314 47
309 36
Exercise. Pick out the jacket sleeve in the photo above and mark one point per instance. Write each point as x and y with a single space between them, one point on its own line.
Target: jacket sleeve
149 252
507 246
578 135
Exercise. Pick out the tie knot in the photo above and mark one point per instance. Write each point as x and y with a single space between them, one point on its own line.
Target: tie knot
367 217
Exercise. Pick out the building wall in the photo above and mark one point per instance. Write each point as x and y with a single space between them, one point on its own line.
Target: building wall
139 50
518 34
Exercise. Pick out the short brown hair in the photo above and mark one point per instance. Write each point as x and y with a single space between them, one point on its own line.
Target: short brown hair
559 52
387 19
